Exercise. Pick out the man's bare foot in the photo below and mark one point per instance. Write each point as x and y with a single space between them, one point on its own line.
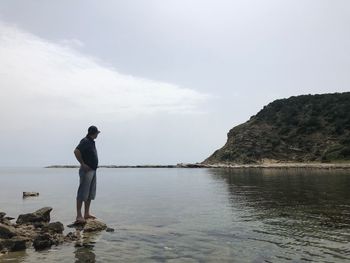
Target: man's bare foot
90 217
80 220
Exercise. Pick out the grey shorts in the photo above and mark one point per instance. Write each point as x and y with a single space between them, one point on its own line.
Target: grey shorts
87 185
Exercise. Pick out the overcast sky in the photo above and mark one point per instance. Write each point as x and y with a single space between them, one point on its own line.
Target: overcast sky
164 80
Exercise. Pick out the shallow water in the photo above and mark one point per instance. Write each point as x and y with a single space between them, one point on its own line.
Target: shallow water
193 215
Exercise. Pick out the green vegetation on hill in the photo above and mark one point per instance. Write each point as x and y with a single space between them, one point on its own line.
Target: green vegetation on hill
307 128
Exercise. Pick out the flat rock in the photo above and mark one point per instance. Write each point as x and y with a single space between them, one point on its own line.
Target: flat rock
94 225
91 225
41 215
7 231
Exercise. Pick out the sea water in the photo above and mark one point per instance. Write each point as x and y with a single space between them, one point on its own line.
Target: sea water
192 215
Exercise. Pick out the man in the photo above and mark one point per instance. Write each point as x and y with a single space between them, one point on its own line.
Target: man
86 155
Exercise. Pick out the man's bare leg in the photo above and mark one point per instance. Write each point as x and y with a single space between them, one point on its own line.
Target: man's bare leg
87 214
80 217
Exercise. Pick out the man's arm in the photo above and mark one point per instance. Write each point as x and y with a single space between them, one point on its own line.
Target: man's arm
77 154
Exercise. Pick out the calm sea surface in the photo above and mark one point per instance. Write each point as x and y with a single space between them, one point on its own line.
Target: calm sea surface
193 215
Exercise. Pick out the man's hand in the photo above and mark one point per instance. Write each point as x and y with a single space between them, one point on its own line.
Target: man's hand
85 167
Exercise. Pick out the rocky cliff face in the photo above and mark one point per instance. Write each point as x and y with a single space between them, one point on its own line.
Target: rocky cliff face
298 129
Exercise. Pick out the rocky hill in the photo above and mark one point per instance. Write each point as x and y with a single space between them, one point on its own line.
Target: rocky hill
307 128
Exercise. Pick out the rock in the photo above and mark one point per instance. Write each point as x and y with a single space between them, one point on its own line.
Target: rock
190 165
91 225
44 213
94 225
13 244
5 221
46 240
7 231
29 194
41 215
27 231
56 227
36 229
71 237
109 229
77 226
40 224
43 241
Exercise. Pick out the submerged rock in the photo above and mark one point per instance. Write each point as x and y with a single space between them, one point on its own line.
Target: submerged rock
41 215
13 244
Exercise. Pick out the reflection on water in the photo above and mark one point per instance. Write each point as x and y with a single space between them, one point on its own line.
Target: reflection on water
193 215
301 210
291 193
84 248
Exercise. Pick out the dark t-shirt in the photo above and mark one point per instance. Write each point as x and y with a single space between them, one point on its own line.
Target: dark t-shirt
88 152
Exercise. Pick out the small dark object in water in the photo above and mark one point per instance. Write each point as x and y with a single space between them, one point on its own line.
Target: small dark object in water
109 229
30 194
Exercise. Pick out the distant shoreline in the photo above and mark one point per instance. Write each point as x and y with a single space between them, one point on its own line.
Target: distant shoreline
231 166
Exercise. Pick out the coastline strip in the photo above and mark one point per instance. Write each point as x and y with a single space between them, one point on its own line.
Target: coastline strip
231 166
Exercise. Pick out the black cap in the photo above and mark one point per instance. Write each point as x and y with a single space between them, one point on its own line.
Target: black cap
93 130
